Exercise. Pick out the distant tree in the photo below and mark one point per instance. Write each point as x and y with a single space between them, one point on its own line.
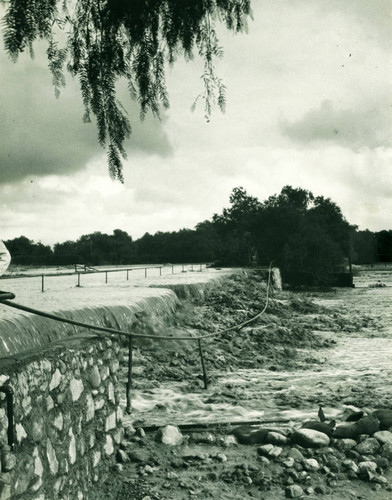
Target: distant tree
364 247
236 227
111 39
384 246
27 252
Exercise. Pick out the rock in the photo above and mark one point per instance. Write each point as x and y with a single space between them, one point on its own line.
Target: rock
386 451
94 377
367 425
318 426
171 475
294 491
345 431
354 416
379 480
140 432
367 466
384 417
351 465
269 450
383 437
246 434
169 435
8 461
288 462
276 439
311 464
309 438
345 444
203 437
138 455
122 456
264 460
382 463
296 454
369 446
228 441
221 457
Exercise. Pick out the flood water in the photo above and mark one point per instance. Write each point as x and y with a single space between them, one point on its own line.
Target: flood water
357 371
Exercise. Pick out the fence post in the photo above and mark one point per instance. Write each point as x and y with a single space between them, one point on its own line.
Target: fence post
129 382
106 276
127 274
160 271
78 280
145 272
183 269
43 283
203 366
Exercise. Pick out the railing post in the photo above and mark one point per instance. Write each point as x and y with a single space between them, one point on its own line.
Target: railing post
203 366
43 283
129 382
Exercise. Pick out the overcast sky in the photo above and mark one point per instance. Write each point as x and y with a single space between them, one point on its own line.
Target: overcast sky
309 105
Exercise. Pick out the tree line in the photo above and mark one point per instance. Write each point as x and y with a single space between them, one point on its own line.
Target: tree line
306 236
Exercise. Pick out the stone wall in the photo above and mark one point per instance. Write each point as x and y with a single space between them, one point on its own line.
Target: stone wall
67 419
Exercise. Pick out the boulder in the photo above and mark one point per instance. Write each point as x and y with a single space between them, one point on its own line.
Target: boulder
246 434
309 438
276 438
294 491
319 426
386 451
384 417
365 425
345 444
311 465
383 437
369 446
169 435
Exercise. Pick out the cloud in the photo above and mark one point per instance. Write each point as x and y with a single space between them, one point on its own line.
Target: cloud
42 135
368 126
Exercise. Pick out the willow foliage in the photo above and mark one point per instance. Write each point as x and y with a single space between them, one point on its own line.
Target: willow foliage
111 39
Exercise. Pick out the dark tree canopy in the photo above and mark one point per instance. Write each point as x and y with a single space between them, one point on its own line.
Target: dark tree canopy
101 41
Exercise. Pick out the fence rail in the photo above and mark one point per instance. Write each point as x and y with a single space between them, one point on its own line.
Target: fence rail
127 270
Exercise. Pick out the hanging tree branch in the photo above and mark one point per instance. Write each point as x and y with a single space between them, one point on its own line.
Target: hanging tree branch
112 39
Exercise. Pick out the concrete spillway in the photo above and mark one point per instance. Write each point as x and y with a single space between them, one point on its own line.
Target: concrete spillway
112 305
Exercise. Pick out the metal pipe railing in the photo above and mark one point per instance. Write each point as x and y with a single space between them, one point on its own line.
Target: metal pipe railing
5 296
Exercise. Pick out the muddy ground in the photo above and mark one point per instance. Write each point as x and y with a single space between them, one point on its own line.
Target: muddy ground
330 347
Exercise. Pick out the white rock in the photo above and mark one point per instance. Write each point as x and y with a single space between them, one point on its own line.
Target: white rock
311 464
169 435
383 437
55 381
76 387
309 438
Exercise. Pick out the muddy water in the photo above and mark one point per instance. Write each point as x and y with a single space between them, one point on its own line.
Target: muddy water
357 371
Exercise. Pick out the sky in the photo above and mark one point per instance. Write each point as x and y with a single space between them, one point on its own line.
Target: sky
308 105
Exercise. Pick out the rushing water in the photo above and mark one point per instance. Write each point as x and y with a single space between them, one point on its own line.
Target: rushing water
360 361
